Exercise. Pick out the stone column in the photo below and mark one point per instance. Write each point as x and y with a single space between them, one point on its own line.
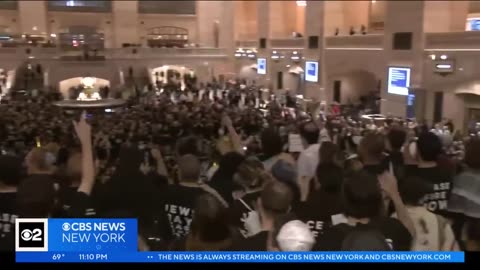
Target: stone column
314 26
125 22
33 17
263 19
395 22
227 35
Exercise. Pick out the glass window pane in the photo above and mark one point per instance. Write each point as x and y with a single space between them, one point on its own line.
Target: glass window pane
80 6
167 7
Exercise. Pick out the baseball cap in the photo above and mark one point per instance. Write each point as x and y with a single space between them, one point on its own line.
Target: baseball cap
365 239
284 171
294 235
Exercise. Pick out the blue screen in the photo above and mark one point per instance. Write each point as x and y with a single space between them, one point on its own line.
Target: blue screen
474 25
398 80
311 71
411 106
262 66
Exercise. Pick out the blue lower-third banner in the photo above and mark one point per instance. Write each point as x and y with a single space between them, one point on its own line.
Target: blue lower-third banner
244 257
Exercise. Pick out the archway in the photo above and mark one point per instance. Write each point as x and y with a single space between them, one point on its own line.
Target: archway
65 86
81 37
167 36
353 86
171 73
248 73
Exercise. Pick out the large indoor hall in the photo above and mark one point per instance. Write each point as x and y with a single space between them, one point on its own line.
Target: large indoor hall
239 131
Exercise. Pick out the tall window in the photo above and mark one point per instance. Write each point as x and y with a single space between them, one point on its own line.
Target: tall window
80 6
167 7
11 5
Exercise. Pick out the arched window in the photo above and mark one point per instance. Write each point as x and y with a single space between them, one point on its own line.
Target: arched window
167 36
81 37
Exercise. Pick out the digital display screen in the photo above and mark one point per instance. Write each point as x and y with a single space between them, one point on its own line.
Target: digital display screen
311 71
473 24
411 106
398 80
261 66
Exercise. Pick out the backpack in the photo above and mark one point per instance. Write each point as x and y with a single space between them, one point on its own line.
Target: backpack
363 238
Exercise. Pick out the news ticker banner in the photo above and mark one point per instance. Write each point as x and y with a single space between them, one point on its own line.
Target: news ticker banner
115 240
242 257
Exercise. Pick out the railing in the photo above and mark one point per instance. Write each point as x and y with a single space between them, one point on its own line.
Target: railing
297 43
246 43
453 40
164 52
120 53
373 41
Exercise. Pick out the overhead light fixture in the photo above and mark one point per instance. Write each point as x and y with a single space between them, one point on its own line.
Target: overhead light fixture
373 1
295 58
295 52
443 57
34 28
53 35
288 66
274 51
238 55
433 56
275 57
301 3
444 66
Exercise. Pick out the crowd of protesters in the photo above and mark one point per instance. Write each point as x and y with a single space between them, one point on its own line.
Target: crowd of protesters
231 168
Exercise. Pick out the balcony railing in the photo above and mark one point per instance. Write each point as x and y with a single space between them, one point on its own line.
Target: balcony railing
373 41
246 43
121 53
468 40
294 43
164 52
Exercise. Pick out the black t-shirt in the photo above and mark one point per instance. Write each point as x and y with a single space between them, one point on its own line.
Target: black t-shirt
76 204
7 220
318 211
377 169
440 180
225 245
396 235
258 242
239 211
177 204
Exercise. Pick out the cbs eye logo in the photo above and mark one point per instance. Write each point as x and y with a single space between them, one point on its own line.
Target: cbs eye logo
31 234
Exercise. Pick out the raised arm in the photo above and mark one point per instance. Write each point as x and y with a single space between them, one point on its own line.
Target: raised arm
388 183
234 137
161 167
84 133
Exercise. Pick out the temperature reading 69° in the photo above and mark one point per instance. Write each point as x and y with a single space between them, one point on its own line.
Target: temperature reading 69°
57 256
